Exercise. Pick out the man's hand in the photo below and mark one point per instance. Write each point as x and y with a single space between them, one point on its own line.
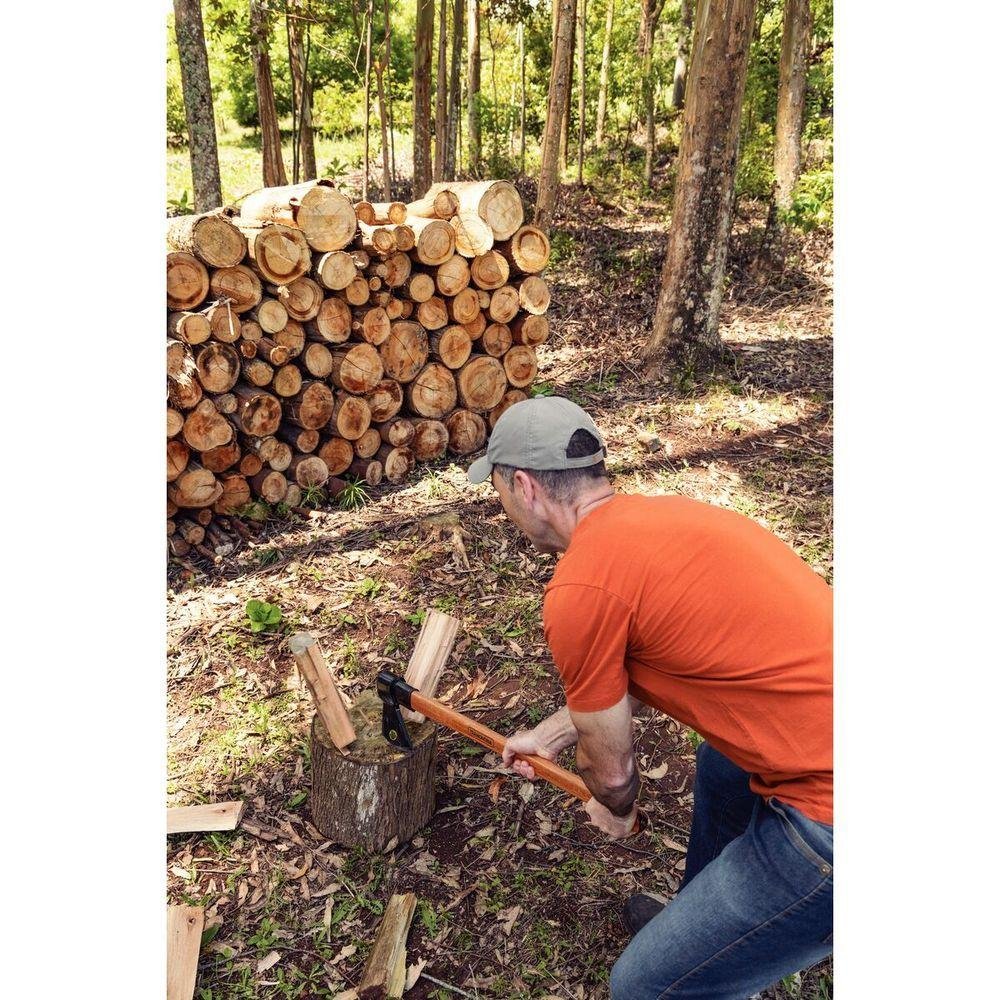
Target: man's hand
524 743
616 827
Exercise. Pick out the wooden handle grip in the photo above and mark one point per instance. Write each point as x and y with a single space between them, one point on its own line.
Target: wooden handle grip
483 735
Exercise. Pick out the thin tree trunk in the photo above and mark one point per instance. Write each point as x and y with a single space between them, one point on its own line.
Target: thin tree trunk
494 136
687 309
683 47
270 137
302 92
368 97
602 93
520 42
441 94
475 80
651 10
454 89
423 39
564 131
388 87
198 108
791 99
581 45
548 176
383 125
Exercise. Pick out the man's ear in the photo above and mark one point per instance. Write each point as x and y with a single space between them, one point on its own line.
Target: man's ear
526 486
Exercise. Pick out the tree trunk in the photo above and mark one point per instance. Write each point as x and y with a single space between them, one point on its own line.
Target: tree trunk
383 127
651 10
454 89
564 125
791 99
274 167
423 39
475 79
602 93
548 175
520 45
198 109
368 97
683 48
441 94
302 87
687 309
388 87
581 45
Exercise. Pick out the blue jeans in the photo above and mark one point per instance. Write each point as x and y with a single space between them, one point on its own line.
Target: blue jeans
756 903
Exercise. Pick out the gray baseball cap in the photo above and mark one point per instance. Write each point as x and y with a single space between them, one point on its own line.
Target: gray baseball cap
534 434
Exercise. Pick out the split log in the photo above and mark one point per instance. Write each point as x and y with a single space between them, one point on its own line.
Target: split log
432 393
385 400
218 367
205 428
533 294
496 340
397 462
270 485
329 702
419 287
279 254
529 330
490 271
309 470
334 270
473 237
484 298
358 369
430 440
452 346
357 292
395 432
332 324
393 212
521 366
504 304
238 285
528 251
372 323
301 440
223 457
257 372
301 297
433 314
405 351
317 360
259 413
379 240
178 454
481 383
311 407
272 353
292 336
510 397
453 275
442 205
187 282
270 315
351 416
235 495
430 656
395 269
366 469
368 444
385 969
464 307
184 928
175 422
496 202
191 327
436 240
375 793
467 431
326 218
212 238
337 453
287 381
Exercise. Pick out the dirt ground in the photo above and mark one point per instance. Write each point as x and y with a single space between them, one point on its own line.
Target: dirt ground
517 897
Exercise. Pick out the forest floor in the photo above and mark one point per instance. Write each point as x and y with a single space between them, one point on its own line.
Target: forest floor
517 896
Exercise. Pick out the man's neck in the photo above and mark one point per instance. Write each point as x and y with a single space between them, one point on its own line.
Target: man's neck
583 506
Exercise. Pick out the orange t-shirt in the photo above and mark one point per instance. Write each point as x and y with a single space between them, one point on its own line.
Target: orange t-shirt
710 618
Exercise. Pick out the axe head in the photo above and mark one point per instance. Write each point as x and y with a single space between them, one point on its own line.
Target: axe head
394 692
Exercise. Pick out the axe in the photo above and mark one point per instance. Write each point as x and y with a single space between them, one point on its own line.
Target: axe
395 692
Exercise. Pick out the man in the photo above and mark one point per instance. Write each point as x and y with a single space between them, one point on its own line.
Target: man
703 614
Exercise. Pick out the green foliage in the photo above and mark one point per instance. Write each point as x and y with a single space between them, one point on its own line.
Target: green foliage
416 618
812 201
369 588
262 616
755 173
353 495
181 205
541 389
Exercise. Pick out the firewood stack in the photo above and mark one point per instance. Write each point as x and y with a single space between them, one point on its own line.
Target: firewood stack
310 339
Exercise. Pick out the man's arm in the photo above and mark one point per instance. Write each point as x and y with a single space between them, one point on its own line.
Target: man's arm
606 757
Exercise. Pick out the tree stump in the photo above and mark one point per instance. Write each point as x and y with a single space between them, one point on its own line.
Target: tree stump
374 791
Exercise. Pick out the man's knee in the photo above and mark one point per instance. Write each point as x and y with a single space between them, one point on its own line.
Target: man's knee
625 981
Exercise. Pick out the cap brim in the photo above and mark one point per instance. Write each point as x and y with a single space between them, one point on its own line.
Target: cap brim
480 470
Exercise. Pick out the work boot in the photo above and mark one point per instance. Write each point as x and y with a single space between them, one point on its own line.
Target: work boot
640 909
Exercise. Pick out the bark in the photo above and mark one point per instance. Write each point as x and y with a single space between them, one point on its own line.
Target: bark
274 167
441 94
687 309
368 96
475 80
383 122
388 82
302 87
651 10
683 48
548 177
423 39
454 89
581 45
791 99
198 109
602 91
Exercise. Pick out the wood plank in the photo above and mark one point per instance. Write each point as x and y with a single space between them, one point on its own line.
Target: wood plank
329 701
385 970
430 656
200 819
184 927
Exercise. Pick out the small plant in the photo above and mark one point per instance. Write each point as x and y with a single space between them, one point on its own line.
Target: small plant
313 497
262 616
335 168
369 588
297 799
257 510
535 714
181 205
351 661
267 557
542 389
446 603
695 739
416 618
394 644
353 495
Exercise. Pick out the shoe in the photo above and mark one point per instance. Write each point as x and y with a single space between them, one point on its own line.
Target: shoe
640 909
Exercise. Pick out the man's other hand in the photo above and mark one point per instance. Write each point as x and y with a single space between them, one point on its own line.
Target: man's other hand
521 744
616 827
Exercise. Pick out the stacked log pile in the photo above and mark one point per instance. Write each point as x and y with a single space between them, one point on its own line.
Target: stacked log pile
310 339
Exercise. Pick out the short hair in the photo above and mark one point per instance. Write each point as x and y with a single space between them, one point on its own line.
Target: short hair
564 485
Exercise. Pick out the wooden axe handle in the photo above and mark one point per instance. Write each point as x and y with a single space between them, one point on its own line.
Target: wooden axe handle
492 740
